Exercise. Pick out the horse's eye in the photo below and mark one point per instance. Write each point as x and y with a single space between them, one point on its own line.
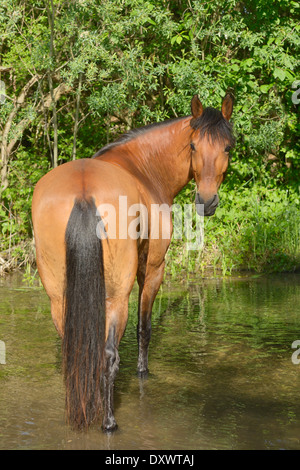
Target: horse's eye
227 149
193 146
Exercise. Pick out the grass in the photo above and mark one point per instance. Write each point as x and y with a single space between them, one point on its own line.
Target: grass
256 230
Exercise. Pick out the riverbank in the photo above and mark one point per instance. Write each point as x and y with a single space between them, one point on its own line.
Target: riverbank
181 265
17 257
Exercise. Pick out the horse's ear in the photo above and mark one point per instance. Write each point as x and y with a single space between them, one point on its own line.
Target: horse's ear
227 106
196 107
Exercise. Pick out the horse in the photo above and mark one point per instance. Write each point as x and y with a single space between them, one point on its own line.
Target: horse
87 274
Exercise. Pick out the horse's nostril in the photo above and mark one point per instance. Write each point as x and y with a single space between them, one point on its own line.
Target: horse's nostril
199 199
207 207
215 199
212 202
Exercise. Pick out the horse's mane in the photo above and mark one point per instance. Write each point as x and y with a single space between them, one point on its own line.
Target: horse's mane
133 134
210 123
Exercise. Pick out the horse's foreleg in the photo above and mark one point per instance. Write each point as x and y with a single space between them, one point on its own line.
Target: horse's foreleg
148 291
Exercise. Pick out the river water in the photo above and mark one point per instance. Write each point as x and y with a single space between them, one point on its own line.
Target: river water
223 373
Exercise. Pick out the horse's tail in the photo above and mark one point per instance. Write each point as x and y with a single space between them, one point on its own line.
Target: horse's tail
84 315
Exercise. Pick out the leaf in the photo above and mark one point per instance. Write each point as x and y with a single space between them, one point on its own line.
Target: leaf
151 21
247 63
279 73
265 88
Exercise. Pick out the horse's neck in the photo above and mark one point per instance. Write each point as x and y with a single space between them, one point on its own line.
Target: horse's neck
159 158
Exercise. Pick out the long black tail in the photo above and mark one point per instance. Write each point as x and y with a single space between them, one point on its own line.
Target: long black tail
84 321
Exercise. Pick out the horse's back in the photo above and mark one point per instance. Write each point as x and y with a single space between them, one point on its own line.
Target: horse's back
83 179
53 200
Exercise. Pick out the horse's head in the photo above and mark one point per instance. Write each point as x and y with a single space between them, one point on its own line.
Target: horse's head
212 140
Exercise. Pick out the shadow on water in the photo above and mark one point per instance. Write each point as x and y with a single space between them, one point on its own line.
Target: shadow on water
221 370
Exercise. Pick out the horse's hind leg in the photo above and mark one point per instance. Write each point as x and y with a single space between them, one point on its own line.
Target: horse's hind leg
149 286
53 279
111 367
116 319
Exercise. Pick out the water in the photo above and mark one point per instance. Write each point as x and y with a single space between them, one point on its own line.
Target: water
222 375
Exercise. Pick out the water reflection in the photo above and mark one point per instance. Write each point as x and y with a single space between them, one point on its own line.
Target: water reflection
221 374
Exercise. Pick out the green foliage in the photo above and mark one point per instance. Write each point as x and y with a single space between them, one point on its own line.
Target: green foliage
255 228
139 62
258 229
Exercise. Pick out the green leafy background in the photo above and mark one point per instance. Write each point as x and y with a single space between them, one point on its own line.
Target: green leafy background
141 61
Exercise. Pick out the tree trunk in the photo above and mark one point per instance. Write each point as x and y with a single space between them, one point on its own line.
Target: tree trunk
54 155
6 148
76 117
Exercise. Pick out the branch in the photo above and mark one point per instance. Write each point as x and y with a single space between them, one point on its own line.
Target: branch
57 92
21 98
43 104
5 68
17 104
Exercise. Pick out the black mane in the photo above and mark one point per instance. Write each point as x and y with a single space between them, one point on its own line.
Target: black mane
210 123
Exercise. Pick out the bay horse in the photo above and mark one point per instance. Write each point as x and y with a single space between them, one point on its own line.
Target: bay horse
87 276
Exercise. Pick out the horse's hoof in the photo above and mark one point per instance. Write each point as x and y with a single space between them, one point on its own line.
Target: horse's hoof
109 426
142 374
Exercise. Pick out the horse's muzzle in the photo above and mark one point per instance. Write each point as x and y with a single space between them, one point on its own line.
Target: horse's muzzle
206 207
